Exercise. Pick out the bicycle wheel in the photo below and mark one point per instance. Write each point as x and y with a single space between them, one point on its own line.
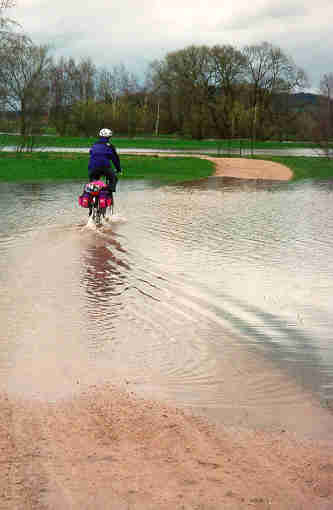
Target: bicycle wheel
96 216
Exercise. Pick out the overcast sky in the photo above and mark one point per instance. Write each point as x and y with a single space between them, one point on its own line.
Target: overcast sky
136 32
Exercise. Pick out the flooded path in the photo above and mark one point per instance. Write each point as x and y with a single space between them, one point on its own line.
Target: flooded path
214 297
187 289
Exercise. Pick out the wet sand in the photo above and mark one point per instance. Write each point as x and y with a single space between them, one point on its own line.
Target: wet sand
107 448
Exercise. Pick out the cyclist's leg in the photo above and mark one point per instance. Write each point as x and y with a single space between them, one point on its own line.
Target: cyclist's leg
111 179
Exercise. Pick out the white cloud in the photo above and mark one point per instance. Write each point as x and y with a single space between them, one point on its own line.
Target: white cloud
136 33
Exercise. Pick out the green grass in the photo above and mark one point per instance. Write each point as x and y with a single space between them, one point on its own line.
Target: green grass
55 166
306 168
162 142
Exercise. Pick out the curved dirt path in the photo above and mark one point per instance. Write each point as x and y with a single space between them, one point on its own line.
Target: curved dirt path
250 169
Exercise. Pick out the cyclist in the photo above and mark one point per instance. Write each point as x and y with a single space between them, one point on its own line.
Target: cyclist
101 153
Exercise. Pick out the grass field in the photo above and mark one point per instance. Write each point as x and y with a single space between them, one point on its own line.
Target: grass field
306 168
55 166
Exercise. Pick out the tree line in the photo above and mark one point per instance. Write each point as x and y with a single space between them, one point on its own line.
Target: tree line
199 91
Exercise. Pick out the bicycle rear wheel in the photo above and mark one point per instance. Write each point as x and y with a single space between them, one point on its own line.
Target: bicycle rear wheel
96 213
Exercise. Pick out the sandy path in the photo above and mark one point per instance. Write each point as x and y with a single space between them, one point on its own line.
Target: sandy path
250 169
107 450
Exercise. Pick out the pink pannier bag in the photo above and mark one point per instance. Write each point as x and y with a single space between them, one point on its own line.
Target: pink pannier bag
84 199
105 199
91 189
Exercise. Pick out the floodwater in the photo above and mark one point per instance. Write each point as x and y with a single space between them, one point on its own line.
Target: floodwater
218 151
215 294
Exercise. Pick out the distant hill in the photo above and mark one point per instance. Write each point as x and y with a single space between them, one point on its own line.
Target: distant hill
301 101
304 99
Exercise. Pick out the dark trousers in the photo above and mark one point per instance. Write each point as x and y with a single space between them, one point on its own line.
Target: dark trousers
110 175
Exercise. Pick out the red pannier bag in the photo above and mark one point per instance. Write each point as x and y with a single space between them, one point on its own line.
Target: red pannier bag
104 198
84 199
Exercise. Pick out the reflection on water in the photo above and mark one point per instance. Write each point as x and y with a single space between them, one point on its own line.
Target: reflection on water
183 293
104 281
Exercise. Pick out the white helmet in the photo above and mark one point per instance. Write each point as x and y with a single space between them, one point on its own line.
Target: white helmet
106 133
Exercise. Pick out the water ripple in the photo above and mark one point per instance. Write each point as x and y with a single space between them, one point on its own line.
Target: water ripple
215 294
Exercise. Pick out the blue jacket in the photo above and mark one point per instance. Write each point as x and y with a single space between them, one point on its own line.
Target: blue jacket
100 155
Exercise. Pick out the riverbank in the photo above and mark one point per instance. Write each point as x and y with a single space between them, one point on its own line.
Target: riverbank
106 448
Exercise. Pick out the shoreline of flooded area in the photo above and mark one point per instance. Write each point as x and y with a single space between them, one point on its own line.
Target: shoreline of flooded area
216 152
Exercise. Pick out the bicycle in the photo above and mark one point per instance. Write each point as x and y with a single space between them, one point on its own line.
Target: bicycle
97 197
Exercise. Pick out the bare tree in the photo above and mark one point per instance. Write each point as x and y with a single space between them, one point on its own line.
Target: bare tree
5 23
24 79
114 87
107 87
326 89
72 81
269 71
183 81
120 88
229 67
64 92
6 4
87 79
323 131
